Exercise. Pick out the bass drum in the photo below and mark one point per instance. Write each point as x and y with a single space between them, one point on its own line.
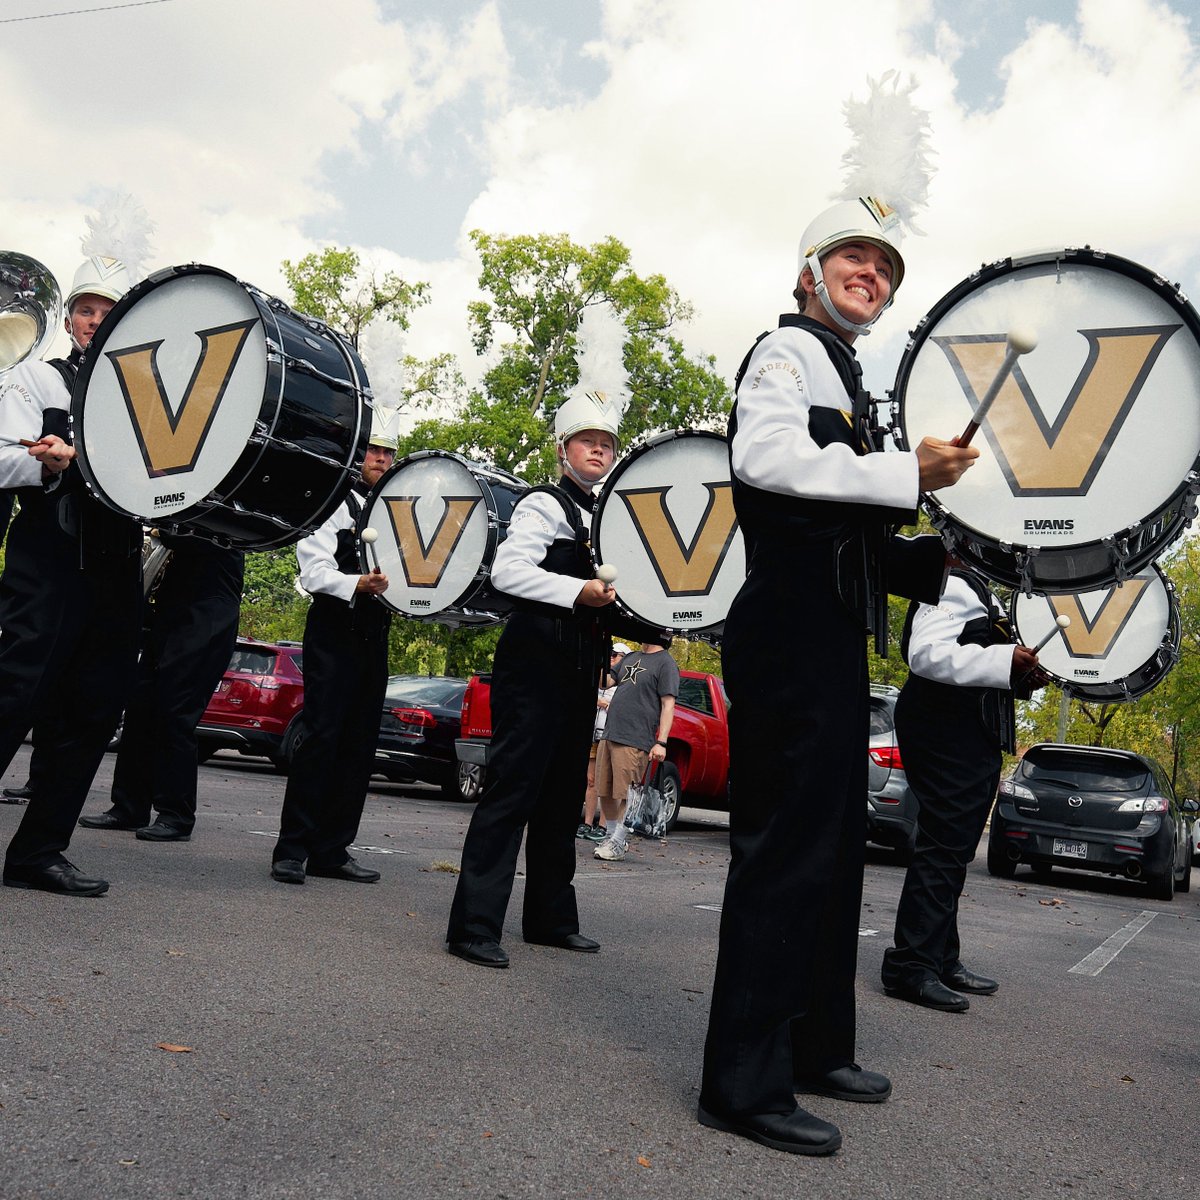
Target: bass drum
437 520
1090 458
1121 642
665 520
206 406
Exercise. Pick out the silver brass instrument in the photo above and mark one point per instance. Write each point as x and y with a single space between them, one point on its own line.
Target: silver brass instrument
30 308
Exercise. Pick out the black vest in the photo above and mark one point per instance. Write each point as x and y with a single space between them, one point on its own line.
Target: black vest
367 615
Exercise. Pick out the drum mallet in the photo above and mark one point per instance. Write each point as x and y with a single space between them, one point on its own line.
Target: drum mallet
369 537
1018 342
607 574
1060 622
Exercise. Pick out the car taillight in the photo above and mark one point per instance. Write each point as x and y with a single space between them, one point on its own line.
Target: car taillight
1152 804
886 756
415 716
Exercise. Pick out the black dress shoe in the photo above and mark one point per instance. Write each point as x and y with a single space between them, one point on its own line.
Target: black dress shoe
963 980
797 1132
480 951
17 795
59 877
931 993
288 870
850 1082
567 941
162 831
348 870
108 820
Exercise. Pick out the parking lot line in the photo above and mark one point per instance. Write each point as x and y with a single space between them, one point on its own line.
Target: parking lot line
1099 958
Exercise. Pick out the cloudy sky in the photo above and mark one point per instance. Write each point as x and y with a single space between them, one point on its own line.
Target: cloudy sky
702 133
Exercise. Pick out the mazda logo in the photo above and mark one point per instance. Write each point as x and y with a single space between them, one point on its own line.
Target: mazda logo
1075 801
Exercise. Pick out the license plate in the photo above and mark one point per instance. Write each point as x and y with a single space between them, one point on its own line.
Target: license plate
1066 849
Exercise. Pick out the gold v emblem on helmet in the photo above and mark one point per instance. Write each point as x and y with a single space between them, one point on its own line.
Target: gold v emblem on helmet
1096 638
171 439
683 568
425 563
1040 458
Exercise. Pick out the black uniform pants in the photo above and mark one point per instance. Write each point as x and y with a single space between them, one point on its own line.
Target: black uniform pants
68 652
953 762
193 629
345 678
783 997
543 708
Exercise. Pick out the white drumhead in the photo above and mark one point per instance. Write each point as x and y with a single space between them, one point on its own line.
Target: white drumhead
1114 631
432 522
1094 430
173 395
666 522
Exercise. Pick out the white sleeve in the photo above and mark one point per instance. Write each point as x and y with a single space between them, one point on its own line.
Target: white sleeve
788 374
934 651
26 391
317 556
537 521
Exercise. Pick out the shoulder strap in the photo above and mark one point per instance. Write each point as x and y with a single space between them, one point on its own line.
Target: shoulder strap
569 506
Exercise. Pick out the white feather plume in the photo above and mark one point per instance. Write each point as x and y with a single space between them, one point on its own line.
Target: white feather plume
600 359
890 153
119 228
382 347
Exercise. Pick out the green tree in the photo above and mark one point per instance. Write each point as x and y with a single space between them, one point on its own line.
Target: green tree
332 286
537 288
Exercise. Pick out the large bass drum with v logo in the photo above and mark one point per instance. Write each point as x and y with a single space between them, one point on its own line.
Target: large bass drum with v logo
438 520
665 520
1120 643
207 406
1090 454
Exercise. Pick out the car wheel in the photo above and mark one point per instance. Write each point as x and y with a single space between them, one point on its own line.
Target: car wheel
286 755
1163 886
469 782
672 793
998 862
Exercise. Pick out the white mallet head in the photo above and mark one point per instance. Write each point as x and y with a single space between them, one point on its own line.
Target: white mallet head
1022 339
606 573
369 535
1063 621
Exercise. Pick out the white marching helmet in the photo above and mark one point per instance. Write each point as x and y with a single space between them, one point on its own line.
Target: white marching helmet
866 219
385 427
587 410
100 276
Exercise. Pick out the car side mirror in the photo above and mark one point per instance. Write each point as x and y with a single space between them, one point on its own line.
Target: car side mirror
1190 806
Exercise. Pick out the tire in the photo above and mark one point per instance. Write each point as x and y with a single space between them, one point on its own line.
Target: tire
672 792
998 863
1162 887
282 761
468 783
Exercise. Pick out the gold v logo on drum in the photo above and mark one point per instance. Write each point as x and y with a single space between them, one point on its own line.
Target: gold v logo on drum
1040 458
683 568
171 439
1096 638
424 562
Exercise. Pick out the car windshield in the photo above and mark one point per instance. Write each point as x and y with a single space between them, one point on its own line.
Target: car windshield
425 691
1086 773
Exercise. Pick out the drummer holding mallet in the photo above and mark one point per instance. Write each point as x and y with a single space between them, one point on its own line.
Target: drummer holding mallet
814 508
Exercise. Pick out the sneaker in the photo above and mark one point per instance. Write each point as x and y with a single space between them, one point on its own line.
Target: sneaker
611 849
584 831
596 833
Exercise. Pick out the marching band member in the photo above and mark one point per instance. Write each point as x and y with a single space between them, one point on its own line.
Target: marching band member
192 624
70 601
345 679
811 504
954 718
544 676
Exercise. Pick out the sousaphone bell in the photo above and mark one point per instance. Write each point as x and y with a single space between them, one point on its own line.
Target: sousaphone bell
30 308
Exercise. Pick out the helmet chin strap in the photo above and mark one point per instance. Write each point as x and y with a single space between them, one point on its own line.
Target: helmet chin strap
567 469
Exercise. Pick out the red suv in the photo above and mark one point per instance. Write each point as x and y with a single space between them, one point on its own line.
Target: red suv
256 706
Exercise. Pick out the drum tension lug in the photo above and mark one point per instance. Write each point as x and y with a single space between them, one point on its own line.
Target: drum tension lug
1024 560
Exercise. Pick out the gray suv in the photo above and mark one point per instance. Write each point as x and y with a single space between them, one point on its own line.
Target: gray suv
891 804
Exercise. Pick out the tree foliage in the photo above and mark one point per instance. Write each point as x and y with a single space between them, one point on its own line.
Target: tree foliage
332 286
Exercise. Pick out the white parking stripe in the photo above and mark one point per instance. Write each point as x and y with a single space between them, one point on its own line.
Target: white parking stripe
1099 958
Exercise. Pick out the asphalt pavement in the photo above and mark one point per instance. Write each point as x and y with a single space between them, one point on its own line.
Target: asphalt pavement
203 1031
